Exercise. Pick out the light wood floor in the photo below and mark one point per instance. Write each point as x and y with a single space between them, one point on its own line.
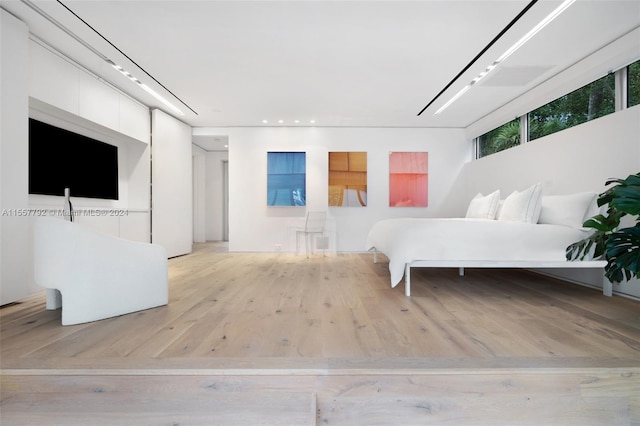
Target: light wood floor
276 338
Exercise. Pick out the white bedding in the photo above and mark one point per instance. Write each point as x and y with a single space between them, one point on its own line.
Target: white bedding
406 240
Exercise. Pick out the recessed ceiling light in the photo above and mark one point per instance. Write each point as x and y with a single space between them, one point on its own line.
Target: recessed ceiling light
296 121
280 121
264 121
312 121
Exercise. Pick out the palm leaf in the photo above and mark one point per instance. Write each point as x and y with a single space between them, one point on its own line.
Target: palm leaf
627 199
623 252
620 247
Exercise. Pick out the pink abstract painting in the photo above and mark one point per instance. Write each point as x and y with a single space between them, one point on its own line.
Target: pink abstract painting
408 179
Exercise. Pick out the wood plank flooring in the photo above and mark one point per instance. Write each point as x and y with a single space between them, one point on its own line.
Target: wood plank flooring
263 333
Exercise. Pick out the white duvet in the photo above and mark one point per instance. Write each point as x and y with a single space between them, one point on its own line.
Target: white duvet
409 239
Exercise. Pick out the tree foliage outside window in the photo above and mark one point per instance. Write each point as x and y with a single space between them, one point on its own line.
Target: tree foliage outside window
587 103
633 81
505 136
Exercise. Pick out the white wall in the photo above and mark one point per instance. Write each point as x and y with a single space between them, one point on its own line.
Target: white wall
172 184
256 227
14 261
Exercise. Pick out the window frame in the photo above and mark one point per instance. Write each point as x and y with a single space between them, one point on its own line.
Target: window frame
621 102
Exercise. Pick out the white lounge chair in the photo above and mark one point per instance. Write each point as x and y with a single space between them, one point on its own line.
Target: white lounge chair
98 275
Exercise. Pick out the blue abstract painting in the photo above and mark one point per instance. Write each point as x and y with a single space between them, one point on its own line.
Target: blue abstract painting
286 179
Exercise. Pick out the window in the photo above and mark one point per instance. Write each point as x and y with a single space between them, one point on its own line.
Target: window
633 84
505 136
587 103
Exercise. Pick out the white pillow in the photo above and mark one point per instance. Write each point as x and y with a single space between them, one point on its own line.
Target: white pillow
569 210
483 206
499 209
522 206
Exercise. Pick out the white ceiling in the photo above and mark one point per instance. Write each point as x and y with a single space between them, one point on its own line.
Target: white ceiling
340 63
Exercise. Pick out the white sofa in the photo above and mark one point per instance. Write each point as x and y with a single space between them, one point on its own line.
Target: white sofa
98 275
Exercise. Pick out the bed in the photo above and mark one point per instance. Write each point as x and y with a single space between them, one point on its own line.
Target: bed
490 235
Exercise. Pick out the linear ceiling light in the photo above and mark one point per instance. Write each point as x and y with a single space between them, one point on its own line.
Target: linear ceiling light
553 15
42 13
145 87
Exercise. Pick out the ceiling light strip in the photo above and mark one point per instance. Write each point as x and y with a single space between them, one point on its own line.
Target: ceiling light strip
145 87
124 54
487 47
553 15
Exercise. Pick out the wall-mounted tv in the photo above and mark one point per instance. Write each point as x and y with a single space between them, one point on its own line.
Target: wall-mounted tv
60 159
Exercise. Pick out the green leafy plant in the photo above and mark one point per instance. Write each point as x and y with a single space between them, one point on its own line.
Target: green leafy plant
620 247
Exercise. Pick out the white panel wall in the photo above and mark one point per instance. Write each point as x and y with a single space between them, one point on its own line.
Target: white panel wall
98 102
256 227
135 226
172 193
135 119
14 108
57 86
71 89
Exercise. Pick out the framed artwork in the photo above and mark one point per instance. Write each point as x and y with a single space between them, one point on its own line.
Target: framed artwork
408 179
347 179
286 179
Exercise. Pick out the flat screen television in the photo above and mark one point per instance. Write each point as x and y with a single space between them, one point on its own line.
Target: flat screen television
60 159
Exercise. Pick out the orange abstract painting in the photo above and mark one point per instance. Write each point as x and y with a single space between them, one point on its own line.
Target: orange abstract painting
347 179
408 179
